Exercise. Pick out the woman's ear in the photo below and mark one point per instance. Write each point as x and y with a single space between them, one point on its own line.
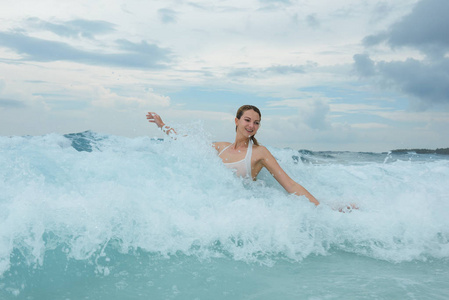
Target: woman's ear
236 121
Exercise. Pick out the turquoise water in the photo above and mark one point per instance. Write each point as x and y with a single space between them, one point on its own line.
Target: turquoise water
139 276
91 216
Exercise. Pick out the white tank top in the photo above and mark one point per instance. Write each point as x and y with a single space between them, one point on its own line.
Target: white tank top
242 167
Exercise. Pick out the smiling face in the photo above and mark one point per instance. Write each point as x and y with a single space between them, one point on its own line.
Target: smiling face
248 124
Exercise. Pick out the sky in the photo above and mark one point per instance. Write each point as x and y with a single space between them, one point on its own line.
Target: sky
342 75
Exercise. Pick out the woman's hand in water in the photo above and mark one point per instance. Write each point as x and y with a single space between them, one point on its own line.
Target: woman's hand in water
153 117
348 208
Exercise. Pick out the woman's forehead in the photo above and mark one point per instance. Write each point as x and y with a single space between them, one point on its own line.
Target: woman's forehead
251 114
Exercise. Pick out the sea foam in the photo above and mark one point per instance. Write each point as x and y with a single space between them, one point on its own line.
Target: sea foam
83 193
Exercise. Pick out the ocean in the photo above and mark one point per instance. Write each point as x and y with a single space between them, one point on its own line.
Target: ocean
97 216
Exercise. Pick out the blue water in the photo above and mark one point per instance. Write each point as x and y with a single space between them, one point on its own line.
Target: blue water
93 216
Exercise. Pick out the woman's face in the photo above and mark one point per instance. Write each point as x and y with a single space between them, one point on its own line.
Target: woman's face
249 123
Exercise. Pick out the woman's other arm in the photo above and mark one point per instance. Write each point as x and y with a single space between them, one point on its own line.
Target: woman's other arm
291 186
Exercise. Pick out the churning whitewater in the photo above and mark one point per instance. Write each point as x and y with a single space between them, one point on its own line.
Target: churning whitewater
96 202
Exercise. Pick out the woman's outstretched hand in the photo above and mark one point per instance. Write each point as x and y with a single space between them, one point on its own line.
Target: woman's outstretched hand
153 117
348 208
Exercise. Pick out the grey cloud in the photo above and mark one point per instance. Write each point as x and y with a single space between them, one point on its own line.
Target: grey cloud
125 9
141 55
271 5
380 11
143 47
35 81
8 103
381 8
316 116
242 72
212 7
427 81
372 40
425 28
282 69
275 1
167 15
312 21
68 104
277 69
74 28
344 12
364 65
199 6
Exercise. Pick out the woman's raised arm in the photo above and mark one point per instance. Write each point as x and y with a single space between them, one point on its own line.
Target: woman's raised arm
153 117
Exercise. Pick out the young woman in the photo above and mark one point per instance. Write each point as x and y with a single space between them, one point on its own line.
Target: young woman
245 155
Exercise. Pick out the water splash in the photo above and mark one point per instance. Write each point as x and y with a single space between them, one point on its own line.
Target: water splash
86 195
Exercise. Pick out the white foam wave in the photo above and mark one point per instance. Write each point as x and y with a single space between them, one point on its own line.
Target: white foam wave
175 196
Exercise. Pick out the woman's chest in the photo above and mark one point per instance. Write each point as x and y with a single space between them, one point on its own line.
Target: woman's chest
233 155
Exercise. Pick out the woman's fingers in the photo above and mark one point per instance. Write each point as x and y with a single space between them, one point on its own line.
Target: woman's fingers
154 118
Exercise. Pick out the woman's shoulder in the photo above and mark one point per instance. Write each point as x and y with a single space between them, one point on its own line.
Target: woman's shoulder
261 151
219 146
259 148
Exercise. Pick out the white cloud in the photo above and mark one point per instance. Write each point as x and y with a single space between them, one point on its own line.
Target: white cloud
167 15
440 117
356 108
369 125
84 69
104 97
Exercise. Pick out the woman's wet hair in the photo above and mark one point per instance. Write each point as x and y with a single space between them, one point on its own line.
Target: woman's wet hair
239 114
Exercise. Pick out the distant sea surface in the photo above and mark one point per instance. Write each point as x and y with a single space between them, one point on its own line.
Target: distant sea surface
94 216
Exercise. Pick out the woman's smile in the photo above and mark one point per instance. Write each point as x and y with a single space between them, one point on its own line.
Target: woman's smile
249 122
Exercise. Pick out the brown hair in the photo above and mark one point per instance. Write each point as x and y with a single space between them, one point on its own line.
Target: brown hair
239 114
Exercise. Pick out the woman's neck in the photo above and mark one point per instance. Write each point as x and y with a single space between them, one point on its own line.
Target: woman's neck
241 142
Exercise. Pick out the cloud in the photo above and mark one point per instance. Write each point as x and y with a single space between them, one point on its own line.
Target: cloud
142 48
215 7
133 55
7 99
357 108
9 103
276 1
364 65
274 4
74 28
312 21
416 117
286 69
167 15
315 116
425 28
273 70
87 97
381 10
369 125
425 80
104 97
313 113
